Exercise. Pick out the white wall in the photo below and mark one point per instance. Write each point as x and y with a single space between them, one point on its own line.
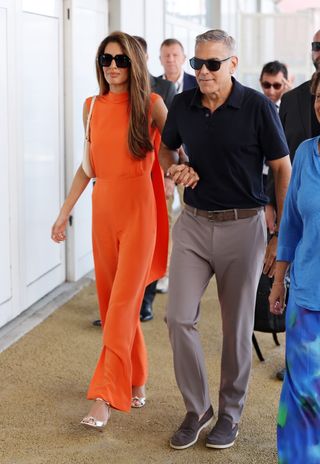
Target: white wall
9 263
85 27
31 94
41 134
141 17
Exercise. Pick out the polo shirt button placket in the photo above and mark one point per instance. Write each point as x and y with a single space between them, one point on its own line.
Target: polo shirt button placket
208 119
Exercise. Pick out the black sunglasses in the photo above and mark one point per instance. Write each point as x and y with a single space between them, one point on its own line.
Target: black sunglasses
315 46
211 64
268 85
122 61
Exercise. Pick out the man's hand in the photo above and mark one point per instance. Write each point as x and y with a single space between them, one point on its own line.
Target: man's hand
270 257
271 218
182 174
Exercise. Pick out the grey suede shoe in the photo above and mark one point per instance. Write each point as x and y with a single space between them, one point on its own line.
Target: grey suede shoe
223 435
188 432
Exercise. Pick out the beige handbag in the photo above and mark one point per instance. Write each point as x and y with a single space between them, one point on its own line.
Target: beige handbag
86 163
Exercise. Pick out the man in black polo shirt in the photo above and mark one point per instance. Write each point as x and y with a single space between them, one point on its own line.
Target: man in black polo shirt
228 130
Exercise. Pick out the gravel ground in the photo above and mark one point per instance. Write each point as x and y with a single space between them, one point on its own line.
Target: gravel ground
44 377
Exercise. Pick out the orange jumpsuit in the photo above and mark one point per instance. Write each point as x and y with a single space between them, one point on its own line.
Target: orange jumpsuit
130 235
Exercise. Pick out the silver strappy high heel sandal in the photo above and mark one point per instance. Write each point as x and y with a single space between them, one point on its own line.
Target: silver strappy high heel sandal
92 422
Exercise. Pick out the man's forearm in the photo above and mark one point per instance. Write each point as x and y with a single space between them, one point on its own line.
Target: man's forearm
281 182
183 158
167 157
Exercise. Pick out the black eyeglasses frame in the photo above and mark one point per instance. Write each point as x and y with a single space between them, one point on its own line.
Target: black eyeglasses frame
211 64
315 46
268 85
121 60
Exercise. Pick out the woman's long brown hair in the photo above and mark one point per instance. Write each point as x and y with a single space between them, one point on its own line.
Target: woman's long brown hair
139 91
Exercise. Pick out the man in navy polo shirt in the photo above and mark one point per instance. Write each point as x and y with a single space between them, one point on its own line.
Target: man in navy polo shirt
228 130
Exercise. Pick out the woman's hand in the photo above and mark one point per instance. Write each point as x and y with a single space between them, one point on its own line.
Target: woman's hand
58 231
277 297
182 174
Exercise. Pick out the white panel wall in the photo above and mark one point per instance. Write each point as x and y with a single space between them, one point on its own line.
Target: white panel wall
5 242
154 33
41 142
132 16
142 17
31 152
84 30
42 146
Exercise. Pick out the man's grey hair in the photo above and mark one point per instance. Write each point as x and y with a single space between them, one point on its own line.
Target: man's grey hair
217 35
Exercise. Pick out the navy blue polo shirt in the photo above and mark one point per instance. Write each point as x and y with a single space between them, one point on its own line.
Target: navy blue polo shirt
227 147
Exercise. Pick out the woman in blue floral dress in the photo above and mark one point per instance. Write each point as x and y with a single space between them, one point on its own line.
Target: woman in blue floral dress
298 430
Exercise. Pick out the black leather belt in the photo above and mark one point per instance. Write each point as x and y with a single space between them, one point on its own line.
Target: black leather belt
223 215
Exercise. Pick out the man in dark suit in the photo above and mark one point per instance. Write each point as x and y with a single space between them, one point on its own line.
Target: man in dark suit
299 121
297 114
172 58
296 110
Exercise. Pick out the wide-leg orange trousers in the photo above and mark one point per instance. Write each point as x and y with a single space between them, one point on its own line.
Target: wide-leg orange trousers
124 234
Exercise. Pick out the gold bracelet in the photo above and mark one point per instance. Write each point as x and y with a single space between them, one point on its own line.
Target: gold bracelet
278 283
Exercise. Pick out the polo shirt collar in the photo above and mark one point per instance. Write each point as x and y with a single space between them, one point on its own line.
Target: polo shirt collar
234 100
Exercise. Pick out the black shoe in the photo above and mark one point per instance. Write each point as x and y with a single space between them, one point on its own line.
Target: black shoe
97 323
223 435
146 312
188 432
280 374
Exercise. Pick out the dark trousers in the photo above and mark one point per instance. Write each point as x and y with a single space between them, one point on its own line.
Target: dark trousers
149 294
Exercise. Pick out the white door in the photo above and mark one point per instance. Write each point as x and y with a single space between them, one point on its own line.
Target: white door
85 27
9 297
42 149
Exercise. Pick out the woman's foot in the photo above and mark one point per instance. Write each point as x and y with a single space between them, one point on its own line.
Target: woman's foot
138 399
98 415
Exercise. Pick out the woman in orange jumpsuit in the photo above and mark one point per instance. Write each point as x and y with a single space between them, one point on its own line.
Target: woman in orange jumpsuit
129 219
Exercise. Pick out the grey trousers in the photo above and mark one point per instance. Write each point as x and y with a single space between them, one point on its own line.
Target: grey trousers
233 251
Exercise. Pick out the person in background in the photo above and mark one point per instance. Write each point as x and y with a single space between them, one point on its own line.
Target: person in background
228 131
299 123
129 219
274 83
298 245
172 58
167 90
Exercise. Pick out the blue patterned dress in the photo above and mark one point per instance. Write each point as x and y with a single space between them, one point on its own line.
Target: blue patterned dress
298 428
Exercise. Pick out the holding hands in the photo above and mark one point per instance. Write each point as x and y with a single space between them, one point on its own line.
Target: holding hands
182 174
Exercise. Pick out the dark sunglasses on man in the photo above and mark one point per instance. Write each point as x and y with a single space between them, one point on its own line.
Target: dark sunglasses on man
211 64
268 85
122 61
315 46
